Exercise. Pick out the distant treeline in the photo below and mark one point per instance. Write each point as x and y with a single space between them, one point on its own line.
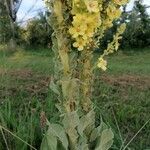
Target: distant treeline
137 34
37 31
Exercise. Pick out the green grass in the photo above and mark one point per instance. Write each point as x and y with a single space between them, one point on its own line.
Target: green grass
129 63
123 90
136 63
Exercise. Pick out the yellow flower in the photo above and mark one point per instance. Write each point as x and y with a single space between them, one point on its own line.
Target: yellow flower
89 32
113 12
80 43
76 1
85 24
77 30
120 2
107 23
80 20
102 64
92 6
93 22
93 19
77 19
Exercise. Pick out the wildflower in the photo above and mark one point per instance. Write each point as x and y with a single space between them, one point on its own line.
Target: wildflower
120 2
78 18
89 33
76 31
80 43
102 64
92 6
76 1
113 12
85 24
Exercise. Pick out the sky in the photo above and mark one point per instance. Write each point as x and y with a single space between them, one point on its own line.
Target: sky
29 9
25 12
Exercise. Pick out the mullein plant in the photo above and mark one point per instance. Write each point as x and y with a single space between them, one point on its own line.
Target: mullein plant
78 26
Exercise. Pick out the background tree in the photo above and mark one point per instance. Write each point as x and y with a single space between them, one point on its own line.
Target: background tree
37 32
137 34
5 29
8 13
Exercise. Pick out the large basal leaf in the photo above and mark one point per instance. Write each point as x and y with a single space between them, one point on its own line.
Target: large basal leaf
86 121
54 88
49 142
58 131
105 141
70 122
98 131
82 143
73 138
83 147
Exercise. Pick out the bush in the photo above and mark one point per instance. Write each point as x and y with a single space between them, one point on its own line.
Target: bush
37 32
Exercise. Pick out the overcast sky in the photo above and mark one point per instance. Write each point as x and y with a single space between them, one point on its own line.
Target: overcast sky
25 14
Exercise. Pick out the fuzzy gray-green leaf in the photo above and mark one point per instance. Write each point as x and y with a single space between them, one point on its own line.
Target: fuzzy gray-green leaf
58 131
49 142
70 122
98 131
105 141
54 88
86 121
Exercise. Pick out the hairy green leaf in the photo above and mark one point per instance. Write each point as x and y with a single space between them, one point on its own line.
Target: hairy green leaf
58 131
98 131
70 122
86 121
105 141
54 88
49 142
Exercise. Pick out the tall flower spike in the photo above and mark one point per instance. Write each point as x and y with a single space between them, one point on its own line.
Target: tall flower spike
85 23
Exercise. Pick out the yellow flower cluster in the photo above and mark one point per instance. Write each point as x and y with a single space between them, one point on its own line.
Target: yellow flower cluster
112 12
120 2
85 22
102 64
113 46
92 5
88 18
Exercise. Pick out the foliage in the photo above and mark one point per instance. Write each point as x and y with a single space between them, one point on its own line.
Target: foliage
137 34
5 29
9 30
37 32
23 127
101 135
23 74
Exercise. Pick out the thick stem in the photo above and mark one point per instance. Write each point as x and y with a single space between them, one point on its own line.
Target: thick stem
86 79
62 57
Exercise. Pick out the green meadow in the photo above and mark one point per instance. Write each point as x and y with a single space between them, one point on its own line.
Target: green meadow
121 98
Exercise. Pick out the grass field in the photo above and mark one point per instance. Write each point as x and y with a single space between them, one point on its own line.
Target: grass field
122 97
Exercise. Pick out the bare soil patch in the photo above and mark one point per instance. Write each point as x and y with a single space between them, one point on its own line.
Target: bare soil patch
140 82
26 81
37 84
